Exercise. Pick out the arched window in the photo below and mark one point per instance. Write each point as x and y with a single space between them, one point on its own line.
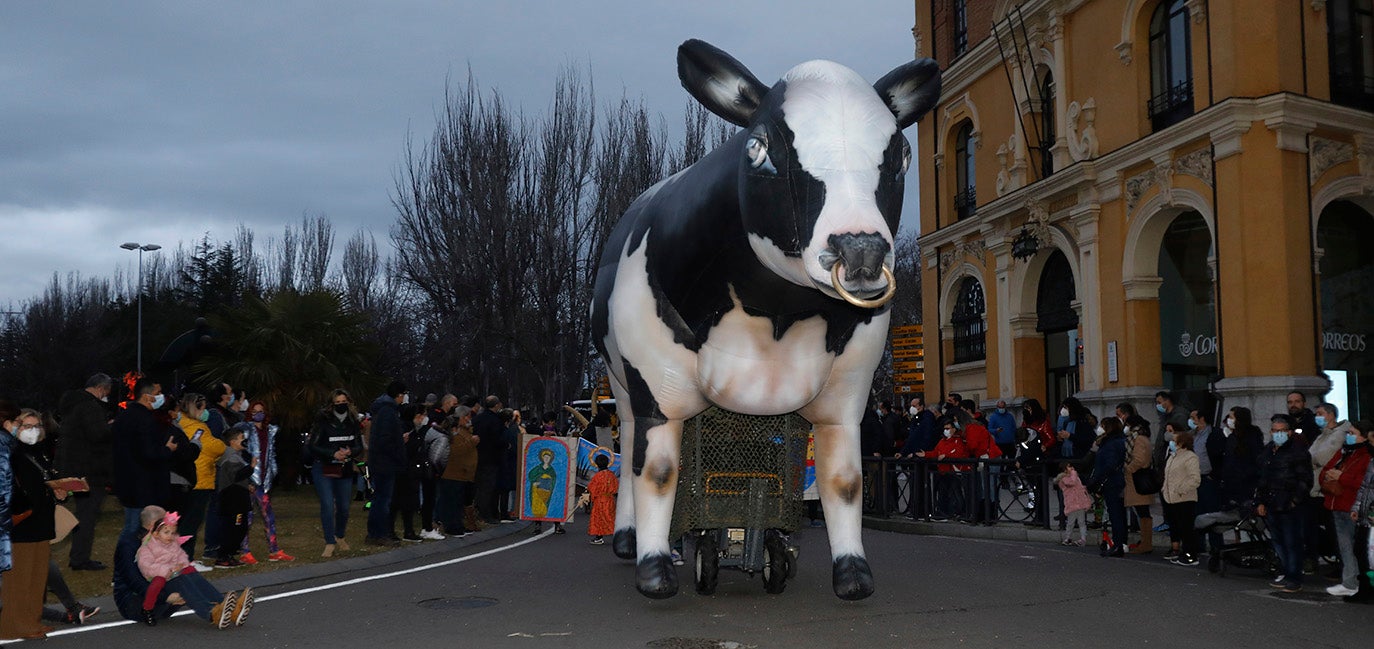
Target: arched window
970 329
1350 39
960 11
1047 134
965 196
1171 59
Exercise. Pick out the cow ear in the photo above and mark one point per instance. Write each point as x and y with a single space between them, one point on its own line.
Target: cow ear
911 90
722 84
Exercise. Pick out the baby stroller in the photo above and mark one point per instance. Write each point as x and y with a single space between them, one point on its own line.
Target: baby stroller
1244 541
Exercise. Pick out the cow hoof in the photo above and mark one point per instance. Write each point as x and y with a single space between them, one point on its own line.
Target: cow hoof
624 543
656 576
853 579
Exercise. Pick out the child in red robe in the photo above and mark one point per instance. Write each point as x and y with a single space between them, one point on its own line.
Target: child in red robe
602 491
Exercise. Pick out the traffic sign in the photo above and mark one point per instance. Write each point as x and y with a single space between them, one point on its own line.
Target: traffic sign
906 366
907 330
908 352
909 377
906 389
908 342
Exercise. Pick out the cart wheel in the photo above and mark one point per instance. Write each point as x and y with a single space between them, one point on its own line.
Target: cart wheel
707 562
775 559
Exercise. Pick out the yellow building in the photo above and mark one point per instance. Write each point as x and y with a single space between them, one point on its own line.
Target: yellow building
1123 196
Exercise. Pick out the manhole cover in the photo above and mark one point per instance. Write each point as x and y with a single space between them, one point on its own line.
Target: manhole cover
695 643
452 603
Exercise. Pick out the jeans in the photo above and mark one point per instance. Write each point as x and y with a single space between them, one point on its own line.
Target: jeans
197 503
199 594
336 496
1345 540
1285 529
451 501
214 528
86 507
1116 511
379 517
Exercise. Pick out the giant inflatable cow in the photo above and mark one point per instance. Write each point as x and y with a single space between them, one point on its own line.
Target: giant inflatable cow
755 280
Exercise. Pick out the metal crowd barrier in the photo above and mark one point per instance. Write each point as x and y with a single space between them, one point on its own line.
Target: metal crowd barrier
974 491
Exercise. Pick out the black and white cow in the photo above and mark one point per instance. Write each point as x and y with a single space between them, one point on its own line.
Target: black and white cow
716 285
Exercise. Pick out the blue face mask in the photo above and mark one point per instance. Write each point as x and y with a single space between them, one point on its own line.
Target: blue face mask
1280 437
158 400
1173 446
1321 421
1159 407
1192 424
1001 411
1351 440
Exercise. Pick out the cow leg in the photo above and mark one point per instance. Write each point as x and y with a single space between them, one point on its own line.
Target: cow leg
656 469
839 478
623 542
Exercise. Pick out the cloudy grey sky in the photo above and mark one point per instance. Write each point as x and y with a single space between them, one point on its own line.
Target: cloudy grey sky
162 121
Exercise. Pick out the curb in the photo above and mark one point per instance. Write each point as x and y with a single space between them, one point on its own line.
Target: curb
999 532
409 552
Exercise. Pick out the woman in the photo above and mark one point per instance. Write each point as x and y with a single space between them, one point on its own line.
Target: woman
1340 482
455 483
1033 417
431 455
32 507
262 445
1138 458
1109 480
335 442
194 418
405 497
1182 477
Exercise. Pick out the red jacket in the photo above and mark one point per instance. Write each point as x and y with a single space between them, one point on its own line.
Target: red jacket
950 448
1047 438
1352 466
980 442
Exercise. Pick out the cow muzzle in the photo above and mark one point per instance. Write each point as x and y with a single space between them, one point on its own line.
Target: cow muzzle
862 257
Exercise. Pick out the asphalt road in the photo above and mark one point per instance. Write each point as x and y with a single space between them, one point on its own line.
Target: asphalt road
560 591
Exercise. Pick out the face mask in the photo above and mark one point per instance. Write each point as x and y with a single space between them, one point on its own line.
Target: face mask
340 408
913 411
243 405
1351 440
29 435
405 398
1192 425
1101 431
158 400
1063 412
424 421
105 399
1230 423
1321 421
259 417
1001 411
204 415
1280 437
1159 407
1173 446
949 433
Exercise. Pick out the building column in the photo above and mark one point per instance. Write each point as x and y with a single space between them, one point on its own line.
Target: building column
1028 377
1002 384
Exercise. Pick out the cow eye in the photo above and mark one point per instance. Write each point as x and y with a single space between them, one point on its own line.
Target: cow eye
757 150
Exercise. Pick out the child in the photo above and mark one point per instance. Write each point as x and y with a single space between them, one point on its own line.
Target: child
234 484
1076 502
164 563
602 491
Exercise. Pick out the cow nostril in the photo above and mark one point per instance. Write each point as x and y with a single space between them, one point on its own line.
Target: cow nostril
861 254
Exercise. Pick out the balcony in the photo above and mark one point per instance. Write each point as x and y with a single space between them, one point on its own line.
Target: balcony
1349 88
1171 106
965 203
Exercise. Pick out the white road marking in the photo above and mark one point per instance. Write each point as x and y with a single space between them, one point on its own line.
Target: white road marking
315 589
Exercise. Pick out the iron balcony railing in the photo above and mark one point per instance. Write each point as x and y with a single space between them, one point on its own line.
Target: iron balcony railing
1171 106
965 203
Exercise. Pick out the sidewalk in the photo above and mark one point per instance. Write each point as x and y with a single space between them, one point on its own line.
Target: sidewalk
1000 531
226 579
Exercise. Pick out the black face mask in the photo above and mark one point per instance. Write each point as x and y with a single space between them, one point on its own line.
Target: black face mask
340 408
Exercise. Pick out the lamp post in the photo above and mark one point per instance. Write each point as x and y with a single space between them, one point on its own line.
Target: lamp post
141 248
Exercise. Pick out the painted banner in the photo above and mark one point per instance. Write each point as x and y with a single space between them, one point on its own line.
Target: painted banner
548 468
809 490
586 460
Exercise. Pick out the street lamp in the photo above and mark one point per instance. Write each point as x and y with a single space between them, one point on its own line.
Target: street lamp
141 248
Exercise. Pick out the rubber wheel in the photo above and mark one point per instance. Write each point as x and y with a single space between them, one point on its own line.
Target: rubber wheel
775 558
707 563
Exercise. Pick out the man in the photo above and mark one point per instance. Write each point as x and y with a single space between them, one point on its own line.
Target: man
1306 420
1285 478
894 428
1169 413
143 449
1002 425
84 450
222 417
1124 411
386 458
491 452
1326 440
130 587
443 409
921 434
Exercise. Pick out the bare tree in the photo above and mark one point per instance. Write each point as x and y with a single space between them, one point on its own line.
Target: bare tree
316 240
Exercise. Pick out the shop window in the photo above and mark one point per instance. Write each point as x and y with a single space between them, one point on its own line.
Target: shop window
965 195
1350 38
1171 72
970 329
960 11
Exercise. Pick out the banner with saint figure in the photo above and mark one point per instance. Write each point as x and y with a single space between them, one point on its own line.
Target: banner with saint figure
548 473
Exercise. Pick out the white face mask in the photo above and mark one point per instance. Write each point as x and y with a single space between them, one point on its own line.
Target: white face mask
914 411
1101 431
1063 412
424 421
29 435
1230 423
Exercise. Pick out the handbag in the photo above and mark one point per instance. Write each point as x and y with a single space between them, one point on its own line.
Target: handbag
1147 481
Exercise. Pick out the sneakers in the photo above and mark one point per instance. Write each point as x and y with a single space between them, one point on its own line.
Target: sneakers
1171 555
280 555
598 541
1278 581
677 558
1339 590
146 616
1066 542
1162 527
558 529
200 567
431 535
1290 587
231 562
79 616
245 604
222 615
247 559
412 538
1186 560
1080 543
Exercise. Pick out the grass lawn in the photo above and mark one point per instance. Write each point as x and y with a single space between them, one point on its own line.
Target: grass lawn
298 533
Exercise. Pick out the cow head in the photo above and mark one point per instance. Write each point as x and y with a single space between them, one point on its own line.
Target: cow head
822 161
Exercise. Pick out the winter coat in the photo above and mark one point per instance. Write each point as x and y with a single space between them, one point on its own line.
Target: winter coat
462 456
873 437
436 449
385 447
491 449
1240 467
1285 476
1076 498
1182 477
1365 498
1029 453
142 461
31 493
85 444
329 434
1352 462
157 559
1322 448
266 472
1108 476
211 448
405 495
1002 425
1080 440
1137 457
950 448
7 443
234 468
980 442
129 584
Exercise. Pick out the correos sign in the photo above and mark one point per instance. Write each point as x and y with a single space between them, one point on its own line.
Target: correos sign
1190 345
1342 342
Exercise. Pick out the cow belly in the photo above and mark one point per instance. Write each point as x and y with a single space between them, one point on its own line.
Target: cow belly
742 368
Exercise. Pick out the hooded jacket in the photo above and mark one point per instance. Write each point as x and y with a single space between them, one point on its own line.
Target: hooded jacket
85 444
385 449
